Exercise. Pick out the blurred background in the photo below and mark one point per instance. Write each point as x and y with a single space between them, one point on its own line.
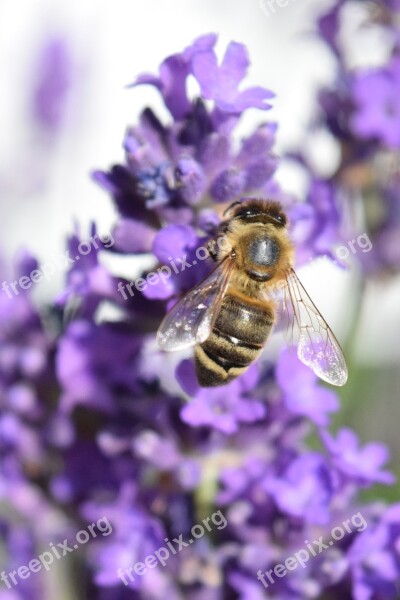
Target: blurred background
64 70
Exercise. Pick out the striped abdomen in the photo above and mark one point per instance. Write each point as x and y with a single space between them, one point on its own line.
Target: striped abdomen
239 333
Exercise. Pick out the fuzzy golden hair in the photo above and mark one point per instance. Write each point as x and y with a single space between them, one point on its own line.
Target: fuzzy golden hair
245 220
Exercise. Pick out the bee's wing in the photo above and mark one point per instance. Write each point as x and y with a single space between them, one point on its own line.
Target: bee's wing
317 347
191 320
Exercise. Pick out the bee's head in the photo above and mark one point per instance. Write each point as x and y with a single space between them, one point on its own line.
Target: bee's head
258 233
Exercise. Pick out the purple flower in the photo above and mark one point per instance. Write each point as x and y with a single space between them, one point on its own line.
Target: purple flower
315 224
172 167
302 395
229 184
164 454
174 71
225 408
305 489
132 236
86 367
377 113
88 282
191 179
374 558
328 25
360 112
134 536
245 484
361 464
175 246
220 83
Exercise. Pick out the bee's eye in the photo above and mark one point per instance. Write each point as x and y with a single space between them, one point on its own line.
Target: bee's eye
247 213
280 219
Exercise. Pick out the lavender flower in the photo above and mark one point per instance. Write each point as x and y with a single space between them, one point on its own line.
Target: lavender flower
375 95
171 168
360 464
225 408
361 112
374 558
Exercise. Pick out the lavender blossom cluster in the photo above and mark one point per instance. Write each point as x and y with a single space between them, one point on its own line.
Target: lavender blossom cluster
96 421
361 112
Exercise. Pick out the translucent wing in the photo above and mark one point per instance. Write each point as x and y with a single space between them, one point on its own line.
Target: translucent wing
191 320
317 346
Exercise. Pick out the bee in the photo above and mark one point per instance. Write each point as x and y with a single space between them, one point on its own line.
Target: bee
229 316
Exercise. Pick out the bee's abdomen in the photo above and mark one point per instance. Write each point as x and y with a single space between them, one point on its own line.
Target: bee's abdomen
240 331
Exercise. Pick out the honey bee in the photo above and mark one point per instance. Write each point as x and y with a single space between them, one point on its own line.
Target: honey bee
229 316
